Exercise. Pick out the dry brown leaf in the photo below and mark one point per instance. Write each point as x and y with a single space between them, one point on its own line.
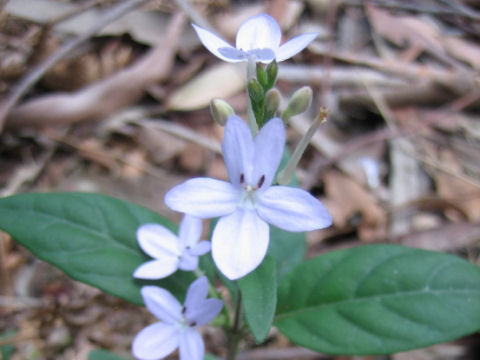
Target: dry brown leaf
464 195
463 50
105 97
402 30
222 80
345 200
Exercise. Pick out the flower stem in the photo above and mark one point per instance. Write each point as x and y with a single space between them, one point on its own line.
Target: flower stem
235 333
251 71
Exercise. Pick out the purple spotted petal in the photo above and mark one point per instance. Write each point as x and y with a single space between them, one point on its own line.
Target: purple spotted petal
155 341
203 197
189 230
204 311
162 304
239 243
292 209
191 345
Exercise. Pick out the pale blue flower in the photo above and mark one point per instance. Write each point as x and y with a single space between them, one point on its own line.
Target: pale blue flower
248 202
257 38
170 252
177 326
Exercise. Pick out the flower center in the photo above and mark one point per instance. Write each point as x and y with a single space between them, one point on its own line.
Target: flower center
248 198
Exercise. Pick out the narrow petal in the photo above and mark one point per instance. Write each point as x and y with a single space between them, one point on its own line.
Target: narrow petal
196 293
234 54
203 197
188 262
269 147
155 341
239 243
237 150
292 209
157 269
162 304
191 345
259 32
204 312
157 241
213 42
294 46
200 248
265 56
189 230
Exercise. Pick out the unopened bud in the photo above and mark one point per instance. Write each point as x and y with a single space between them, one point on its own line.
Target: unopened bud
220 111
299 102
255 91
272 102
262 76
272 72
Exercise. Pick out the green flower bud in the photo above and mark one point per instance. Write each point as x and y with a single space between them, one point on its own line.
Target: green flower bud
262 76
299 102
255 91
272 72
220 111
272 102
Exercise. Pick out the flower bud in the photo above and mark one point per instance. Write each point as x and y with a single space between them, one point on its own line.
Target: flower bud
220 111
262 76
255 91
299 102
272 102
272 72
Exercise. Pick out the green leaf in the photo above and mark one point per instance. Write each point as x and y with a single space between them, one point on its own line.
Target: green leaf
378 300
7 350
91 237
104 355
259 294
287 248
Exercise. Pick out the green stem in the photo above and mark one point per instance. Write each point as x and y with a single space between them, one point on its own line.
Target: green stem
251 72
235 334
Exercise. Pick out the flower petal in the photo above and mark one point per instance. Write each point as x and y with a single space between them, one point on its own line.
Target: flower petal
265 56
157 241
239 243
155 341
189 230
294 46
203 197
269 147
191 345
188 262
292 209
204 312
162 304
233 54
157 269
237 148
213 42
200 248
196 293
259 32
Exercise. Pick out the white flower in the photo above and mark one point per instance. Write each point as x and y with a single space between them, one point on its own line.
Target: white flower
258 38
169 251
177 326
246 204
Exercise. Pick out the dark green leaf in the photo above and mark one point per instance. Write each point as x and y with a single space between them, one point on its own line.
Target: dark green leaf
287 248
378 300
259 294
91 237
104 355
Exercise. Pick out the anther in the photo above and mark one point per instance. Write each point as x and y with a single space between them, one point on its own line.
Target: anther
193 323
242 179
261 181
184 309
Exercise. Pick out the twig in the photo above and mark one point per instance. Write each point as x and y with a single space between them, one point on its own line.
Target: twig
452 10
74 12
35 75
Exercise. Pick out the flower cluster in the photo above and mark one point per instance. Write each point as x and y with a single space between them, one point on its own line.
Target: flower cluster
245 205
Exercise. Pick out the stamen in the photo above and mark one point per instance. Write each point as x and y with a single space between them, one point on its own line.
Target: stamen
242 179
184 309
261 181
193 323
